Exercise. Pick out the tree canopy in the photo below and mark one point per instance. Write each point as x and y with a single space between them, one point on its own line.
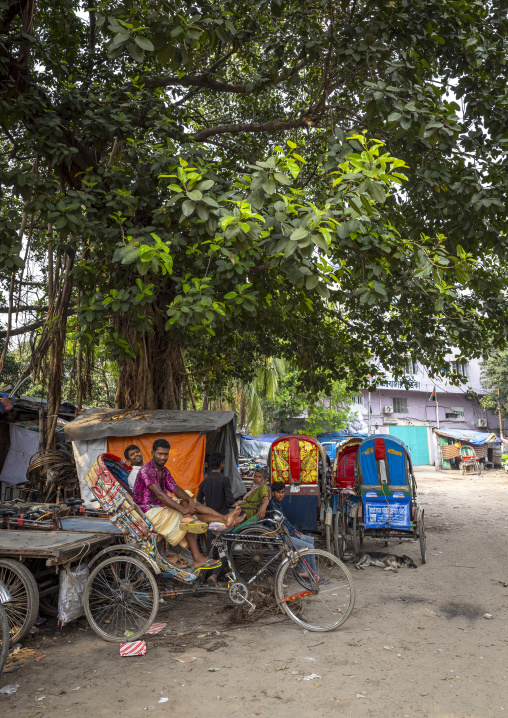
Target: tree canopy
495 382
205 185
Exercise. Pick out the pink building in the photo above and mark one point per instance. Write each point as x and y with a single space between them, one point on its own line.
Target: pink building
410 415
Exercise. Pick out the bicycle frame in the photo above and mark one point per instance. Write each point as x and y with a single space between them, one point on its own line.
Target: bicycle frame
220 542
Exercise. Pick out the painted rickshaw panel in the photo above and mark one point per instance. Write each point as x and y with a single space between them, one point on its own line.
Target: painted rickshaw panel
344 475
294 459
385 483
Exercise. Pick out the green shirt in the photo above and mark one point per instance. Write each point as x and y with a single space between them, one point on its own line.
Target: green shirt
251 505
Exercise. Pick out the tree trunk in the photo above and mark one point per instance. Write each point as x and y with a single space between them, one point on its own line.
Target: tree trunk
154 378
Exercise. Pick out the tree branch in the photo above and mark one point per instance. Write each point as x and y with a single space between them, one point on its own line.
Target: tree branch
30 327
273 126
205 81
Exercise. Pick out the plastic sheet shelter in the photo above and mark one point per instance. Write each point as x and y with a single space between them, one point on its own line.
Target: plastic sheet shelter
190 433
477 438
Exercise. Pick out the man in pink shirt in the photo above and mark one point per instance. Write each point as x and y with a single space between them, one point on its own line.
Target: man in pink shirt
178 518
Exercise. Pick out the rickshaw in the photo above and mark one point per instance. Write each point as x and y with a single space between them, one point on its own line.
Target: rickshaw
386 490
130 583
468 459
300 462
340 494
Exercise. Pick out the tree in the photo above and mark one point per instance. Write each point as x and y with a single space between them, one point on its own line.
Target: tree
195 183
494 378
316 414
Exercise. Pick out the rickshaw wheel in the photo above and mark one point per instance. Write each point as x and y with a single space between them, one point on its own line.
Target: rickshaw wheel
24 607
329 538
357 537
121 598
423 539
339 534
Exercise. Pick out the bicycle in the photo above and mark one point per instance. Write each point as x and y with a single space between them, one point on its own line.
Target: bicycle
123 596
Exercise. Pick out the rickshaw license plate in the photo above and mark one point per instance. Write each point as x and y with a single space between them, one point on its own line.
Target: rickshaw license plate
387 515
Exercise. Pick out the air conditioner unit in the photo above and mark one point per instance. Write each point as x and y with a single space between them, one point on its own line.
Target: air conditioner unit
481 423
388 410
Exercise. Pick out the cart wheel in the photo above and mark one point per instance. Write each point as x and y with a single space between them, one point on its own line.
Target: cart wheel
4 637
357 538
121 598
48 585
339 534
422 538
24 607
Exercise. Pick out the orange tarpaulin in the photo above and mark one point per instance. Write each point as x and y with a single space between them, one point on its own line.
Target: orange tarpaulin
186 457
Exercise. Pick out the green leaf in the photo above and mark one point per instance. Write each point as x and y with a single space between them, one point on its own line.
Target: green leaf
188 207
135 52
377 192
323 290
311 281
202 212
299 233
205 185
144 43
194 194
282 178
175 188
269 186
319 240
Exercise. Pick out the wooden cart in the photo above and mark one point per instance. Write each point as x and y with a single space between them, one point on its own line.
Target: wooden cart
29 566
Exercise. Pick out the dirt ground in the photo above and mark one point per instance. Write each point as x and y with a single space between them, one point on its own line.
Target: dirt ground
418 643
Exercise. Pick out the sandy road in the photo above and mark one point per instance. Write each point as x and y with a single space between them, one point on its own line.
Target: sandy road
416 645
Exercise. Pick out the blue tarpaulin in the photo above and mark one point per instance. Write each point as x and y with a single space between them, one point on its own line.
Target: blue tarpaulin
472 437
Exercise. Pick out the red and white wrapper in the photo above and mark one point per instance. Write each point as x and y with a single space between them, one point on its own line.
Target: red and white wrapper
156 628
133 648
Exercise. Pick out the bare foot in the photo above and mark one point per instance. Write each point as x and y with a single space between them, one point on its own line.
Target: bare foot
230 518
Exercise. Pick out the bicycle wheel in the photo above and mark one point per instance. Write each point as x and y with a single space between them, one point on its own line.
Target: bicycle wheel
4 637
24 607
121 598
315 605
248 557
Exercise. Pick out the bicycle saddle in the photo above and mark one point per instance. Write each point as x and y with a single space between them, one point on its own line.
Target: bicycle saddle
74 502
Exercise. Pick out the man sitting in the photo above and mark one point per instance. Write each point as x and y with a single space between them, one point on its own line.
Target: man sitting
179 518
256 500
215 489
134 457
300 540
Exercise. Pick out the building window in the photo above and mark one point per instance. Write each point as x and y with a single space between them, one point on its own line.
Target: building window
411 367
455 413
358 400
459 367
399 405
